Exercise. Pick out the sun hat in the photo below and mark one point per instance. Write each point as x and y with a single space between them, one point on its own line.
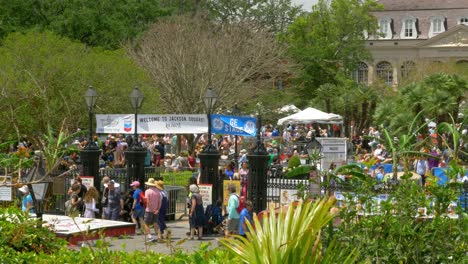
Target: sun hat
24 189
160 185
243 151
150 182
135 183
193 188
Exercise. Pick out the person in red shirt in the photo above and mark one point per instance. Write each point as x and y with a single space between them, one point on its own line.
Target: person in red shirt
153 197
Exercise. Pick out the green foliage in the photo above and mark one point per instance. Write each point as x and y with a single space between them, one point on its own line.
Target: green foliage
292 236
294 162
437 96
24 239
177 178
15 161
273 15
44 78
21 234
391 232
300 171
104 23
329 42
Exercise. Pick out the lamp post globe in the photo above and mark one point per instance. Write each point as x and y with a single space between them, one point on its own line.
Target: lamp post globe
136 99
91 98
210 99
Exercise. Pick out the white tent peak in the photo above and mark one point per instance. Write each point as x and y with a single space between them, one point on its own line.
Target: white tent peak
289 108
311 115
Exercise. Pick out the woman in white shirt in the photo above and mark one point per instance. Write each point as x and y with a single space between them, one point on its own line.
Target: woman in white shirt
90 199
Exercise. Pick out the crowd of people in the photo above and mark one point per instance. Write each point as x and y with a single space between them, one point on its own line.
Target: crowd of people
145 208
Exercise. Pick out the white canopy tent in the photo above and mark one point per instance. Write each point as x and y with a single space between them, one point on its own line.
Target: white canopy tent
288 108
311 115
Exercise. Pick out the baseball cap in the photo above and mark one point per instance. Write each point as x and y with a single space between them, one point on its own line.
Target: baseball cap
135 183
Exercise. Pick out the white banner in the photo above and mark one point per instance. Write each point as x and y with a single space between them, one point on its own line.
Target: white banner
152 124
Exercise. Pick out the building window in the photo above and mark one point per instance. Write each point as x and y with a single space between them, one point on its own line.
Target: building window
408 29
407 68
385 28
385 72
437 26
463 20
360 75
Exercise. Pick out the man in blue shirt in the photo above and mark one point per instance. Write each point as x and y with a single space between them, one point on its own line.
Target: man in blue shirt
27 202
138 211
246 214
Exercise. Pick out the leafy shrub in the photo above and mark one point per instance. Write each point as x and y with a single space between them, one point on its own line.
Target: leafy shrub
394 234
294 162
19 233
291 236
301 171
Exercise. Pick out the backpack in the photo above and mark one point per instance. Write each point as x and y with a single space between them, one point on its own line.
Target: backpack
241 204
143 200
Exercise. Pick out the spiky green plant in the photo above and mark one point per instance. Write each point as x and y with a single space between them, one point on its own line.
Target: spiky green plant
292 236
55 145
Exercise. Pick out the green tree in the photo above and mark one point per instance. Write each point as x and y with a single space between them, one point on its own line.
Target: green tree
44 77
273 15
437 97
103 23
329 42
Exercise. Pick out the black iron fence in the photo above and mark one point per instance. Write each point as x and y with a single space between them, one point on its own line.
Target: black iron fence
176 191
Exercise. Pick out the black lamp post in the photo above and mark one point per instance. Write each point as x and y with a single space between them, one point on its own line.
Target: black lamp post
258 167
209 157
236 112
314 151
90 154
135 155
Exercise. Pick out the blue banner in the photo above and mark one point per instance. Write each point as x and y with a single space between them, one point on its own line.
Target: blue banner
234 125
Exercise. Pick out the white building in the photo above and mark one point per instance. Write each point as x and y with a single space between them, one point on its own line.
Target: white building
415 31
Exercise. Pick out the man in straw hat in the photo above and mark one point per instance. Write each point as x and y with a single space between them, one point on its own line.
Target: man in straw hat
153 197
162 209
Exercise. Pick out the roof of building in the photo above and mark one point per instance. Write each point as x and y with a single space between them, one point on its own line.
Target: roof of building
422 4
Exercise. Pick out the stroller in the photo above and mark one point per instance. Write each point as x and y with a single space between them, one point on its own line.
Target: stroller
214 217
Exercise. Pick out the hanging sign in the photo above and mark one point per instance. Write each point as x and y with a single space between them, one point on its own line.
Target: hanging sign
6 191
152 124
234 125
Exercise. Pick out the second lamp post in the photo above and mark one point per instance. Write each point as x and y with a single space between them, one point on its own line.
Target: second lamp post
209 157
135 155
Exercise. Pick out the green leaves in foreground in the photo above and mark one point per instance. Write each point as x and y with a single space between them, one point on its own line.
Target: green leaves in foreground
290 237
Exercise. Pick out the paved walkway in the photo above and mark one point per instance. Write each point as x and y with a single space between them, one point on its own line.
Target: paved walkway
178 239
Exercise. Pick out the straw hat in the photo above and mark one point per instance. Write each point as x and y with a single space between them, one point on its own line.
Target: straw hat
243 151
160 185
24 189
150 182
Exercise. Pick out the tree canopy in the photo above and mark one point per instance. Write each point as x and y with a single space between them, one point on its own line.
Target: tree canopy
186 55
437 97
328 42
44 77
104 23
